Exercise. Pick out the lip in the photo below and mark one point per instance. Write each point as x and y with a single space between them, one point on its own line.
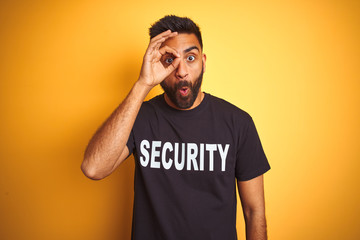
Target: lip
184 91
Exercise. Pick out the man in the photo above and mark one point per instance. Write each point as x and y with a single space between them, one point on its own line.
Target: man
189 146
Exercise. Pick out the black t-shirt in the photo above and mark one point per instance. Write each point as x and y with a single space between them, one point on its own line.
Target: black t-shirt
186 166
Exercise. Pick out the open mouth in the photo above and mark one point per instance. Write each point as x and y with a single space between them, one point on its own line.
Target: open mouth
184 91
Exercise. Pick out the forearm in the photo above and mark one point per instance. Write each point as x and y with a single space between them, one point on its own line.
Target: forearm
105 149
255 226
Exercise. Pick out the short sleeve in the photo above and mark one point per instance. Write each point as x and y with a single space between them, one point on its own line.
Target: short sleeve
251 160
131 143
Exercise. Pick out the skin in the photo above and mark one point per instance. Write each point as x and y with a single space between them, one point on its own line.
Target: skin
252 198
107 149
189 64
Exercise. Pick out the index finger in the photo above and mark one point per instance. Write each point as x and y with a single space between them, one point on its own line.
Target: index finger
165 34
167 49
156 42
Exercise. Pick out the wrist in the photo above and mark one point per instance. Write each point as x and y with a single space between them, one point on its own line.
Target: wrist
141 87
145 83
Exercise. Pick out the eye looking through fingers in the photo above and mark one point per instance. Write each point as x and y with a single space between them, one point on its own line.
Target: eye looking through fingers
168 59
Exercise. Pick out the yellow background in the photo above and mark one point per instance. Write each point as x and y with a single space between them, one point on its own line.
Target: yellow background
66 65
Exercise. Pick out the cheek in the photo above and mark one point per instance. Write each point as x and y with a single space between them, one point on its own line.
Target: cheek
169 80
196 69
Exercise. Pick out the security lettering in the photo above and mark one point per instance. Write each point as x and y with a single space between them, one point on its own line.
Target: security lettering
186 156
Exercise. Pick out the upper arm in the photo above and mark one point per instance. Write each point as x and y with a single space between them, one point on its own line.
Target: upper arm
251 194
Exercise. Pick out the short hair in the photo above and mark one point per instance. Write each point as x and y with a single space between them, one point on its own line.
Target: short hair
175 24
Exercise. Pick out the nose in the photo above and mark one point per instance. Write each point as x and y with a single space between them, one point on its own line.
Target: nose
182 71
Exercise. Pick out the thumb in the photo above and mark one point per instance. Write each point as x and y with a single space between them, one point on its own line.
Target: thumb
174 65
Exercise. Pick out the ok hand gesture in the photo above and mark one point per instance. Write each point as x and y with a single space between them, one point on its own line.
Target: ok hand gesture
153 71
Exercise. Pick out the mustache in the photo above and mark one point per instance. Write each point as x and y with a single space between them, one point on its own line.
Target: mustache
183 83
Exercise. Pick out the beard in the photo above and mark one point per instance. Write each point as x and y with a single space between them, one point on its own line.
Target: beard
183 102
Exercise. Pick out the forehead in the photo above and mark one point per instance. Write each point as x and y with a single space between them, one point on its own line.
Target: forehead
182 41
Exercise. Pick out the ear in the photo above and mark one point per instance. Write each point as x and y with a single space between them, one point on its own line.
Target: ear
204 61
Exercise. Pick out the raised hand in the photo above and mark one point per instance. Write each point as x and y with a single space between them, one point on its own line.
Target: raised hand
153 71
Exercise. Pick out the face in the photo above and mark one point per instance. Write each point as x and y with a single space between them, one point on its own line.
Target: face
182 86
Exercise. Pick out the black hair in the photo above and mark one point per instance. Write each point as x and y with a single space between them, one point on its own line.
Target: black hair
175 24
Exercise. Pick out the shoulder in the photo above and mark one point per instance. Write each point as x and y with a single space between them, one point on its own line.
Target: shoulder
228 109
152 104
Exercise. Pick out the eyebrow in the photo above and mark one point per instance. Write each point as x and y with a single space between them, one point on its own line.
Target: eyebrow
191 48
